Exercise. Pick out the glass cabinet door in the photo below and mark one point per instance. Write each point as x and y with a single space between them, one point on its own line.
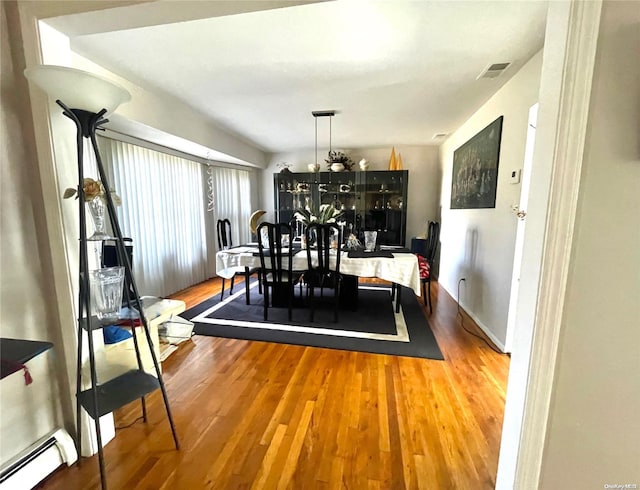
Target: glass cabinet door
292 191
339 190
384 195
372 200
283 196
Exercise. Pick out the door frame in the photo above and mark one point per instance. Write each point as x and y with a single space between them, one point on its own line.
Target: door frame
523 205
565 87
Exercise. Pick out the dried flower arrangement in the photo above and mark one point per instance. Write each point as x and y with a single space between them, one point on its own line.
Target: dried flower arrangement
92 190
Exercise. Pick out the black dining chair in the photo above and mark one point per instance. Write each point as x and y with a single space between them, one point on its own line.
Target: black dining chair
320 272
276 265
425 262
225 241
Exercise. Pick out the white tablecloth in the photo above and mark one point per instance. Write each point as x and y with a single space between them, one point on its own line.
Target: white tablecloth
401 269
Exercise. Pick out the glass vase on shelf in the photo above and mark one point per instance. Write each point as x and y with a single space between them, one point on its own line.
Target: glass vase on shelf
97 209
94 196
106 290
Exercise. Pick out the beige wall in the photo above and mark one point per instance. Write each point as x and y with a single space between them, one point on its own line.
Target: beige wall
479 244
594 433
420 161
27 304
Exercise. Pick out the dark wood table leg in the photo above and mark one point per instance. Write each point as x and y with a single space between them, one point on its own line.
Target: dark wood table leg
246 284
280 295
349 292
398 297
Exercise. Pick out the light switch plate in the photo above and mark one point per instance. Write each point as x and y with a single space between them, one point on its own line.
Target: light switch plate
515 176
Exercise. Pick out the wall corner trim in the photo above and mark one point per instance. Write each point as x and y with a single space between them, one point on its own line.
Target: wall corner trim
580 48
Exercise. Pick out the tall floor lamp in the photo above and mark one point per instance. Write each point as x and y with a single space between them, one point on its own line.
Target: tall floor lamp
85 99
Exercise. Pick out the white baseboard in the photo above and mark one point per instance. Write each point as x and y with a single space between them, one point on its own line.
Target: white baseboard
484 328
35 463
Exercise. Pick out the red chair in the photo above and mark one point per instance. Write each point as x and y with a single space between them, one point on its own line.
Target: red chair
426 261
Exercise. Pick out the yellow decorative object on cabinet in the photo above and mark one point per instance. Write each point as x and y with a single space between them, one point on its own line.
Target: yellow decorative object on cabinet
392 159
398 162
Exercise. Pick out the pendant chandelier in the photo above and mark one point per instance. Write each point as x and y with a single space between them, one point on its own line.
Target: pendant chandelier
316 115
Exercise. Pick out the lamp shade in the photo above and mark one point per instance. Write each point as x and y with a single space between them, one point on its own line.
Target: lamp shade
78 89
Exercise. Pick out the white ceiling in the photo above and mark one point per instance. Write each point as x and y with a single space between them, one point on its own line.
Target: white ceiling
397 72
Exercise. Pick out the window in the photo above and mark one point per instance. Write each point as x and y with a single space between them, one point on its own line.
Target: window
232 198
163 211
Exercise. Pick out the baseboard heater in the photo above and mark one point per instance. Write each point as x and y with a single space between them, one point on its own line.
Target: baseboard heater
35 463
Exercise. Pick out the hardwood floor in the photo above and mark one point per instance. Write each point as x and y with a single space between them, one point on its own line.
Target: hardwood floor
260 415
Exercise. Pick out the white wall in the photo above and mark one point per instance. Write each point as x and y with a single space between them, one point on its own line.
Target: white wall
594 427
478 244
171 117
421 162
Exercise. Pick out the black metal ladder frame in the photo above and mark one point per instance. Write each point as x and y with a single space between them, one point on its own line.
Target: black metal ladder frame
86 124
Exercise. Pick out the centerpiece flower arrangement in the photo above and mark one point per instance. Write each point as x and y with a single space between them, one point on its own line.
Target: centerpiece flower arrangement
326 213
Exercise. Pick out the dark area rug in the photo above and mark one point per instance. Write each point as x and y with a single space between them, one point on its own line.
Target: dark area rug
372 326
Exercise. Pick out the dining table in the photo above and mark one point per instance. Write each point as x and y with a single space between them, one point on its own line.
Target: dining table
394 264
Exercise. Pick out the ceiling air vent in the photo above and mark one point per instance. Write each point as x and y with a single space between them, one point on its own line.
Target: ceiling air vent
440 135
493 71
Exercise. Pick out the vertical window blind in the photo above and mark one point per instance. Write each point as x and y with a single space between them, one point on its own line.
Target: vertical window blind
232 198
163 211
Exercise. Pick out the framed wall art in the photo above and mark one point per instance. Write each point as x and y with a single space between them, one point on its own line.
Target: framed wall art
475 169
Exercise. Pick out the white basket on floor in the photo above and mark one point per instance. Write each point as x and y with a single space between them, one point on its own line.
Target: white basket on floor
175 330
